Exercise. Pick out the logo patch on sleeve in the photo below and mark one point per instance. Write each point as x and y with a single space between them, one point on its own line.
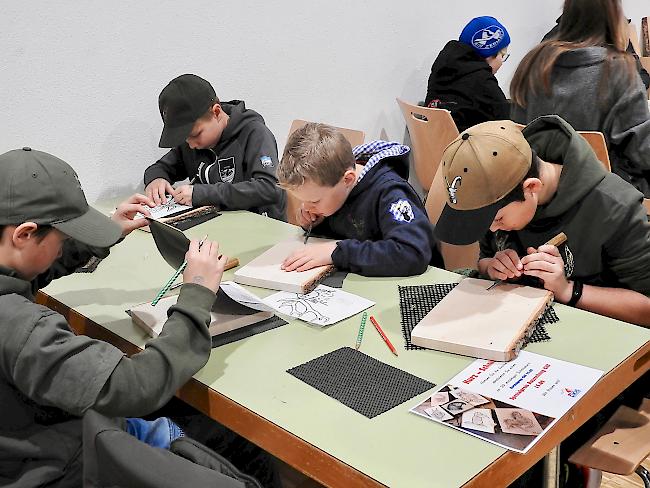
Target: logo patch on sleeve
266 161
402 211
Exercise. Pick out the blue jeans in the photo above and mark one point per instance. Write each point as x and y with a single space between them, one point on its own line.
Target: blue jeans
157 433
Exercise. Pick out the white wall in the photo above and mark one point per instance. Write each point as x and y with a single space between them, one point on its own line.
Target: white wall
81 79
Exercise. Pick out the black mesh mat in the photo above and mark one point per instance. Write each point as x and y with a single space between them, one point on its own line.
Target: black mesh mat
359 381
335 279
417 301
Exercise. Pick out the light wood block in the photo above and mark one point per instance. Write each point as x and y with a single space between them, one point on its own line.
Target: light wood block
474 321
265 270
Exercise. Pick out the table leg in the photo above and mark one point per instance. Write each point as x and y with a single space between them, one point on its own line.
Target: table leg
552 468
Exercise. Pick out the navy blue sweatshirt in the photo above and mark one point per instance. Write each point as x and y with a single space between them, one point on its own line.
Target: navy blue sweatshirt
383 224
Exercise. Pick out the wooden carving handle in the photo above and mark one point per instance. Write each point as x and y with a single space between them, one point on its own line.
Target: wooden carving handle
556 241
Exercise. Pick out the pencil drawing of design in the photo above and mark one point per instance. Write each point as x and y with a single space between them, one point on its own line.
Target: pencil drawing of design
518 421
306 307
478 419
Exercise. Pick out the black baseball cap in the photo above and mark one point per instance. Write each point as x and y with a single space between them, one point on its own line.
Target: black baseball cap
184 100
41 188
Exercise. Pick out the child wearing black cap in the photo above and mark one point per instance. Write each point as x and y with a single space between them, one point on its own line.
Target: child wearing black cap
462 77
49 377
514 199
225 150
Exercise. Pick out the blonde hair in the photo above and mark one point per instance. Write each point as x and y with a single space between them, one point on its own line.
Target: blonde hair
315 152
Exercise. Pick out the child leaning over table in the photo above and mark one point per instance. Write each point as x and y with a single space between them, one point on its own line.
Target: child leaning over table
224 148
513 190
360 197
48 375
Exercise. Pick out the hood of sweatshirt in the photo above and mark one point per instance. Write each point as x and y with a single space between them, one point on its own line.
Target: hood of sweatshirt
10 283
555 141
584 56
378 158
240 118
457 60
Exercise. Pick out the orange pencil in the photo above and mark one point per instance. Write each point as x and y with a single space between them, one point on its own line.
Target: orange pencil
383 336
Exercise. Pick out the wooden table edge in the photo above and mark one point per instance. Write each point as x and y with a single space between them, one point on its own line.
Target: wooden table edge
329 470
284 445
510 465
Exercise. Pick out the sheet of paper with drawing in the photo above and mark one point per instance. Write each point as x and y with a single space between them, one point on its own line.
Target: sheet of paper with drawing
481 323
169 207
323 306
511 404
265 271
181 216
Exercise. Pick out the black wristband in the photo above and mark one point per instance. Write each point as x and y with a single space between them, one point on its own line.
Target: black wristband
576 294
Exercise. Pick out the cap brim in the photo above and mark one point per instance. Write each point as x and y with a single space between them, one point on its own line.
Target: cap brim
462 227
175 136
92 228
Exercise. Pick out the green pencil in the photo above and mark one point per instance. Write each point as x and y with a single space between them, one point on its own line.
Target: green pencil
362 326
169 284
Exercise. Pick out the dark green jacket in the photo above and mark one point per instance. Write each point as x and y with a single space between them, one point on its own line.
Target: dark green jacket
602 215
49 376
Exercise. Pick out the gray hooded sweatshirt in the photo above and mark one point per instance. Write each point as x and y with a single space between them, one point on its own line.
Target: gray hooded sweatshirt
590 93
603 217
49 376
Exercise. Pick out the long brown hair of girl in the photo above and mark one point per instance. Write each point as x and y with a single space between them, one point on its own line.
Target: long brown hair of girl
584 23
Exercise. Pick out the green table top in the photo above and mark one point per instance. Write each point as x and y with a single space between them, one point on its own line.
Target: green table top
396 448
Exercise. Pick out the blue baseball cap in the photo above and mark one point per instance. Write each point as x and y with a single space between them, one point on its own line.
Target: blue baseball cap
486 35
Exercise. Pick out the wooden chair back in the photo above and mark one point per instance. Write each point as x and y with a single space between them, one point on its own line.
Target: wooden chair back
431 130
355 137
455 257
597 142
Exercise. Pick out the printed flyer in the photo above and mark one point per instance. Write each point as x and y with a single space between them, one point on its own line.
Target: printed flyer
510 404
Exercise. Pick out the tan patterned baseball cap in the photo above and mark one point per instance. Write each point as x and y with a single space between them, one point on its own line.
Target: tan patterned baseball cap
480 167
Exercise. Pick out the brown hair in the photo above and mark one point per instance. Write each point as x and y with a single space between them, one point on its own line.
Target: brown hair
584 23
315 152
208 113
40 233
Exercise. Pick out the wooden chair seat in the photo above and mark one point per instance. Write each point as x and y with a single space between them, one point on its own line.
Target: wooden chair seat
621 445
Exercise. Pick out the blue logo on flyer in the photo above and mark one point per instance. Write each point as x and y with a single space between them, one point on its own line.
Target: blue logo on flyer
572 392
266 161
402 211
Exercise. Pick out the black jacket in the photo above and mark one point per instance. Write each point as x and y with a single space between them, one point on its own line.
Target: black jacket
236 174
383 225
464 82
